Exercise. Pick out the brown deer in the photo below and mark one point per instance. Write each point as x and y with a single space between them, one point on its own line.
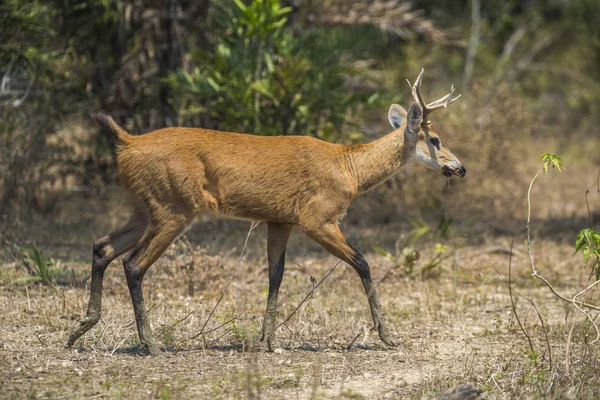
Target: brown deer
175 173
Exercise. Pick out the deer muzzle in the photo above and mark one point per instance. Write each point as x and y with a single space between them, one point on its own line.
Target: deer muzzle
448 171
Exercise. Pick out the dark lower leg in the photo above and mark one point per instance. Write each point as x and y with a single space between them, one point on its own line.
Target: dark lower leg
277 241
361 266
134 282
275 277
157 239
376 313
333 240
105 250
94 310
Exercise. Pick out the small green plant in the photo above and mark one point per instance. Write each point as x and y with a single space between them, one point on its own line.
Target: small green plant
445 226
420 229
440 255
407 256
240 332
589 240
37 264
557 164
165 393
552 160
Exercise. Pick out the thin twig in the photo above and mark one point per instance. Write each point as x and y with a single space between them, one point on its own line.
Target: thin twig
512 302
534 272
568 346
220 326
545 333
168 328
353 340
252 226
563 298
309 295
597 184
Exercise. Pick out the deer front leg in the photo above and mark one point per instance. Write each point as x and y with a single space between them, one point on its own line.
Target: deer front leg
277 239
332 239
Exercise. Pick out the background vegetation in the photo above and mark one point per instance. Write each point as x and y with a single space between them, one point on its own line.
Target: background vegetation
328 69
529 75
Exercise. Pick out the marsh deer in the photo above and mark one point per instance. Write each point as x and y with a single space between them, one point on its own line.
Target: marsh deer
175 173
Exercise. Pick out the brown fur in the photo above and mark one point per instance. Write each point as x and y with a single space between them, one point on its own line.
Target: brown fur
175 173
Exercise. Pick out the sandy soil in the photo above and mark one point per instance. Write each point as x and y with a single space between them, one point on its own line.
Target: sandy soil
455 325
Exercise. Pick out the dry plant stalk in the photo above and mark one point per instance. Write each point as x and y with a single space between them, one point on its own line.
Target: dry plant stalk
233 274
522 327
579 305
534 271
391 16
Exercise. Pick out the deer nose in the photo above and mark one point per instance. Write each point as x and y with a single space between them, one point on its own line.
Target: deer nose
463 171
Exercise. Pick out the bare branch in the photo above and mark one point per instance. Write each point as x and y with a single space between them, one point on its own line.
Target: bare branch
392 16
528 58
252 226
309 295
473 42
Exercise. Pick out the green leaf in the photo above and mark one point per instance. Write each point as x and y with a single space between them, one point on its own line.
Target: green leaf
554 160
269 63
586 256
580 241
214 85
381 251
278 24
283 10
589 240
240 5
262 87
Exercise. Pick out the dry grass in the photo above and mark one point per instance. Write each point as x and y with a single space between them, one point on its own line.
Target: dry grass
455 323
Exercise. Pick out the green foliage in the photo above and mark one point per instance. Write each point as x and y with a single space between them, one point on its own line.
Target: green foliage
589 240
37 264
262 16
445 226
436 260
24 27
420 229
26 34
261 77
407 256
552 160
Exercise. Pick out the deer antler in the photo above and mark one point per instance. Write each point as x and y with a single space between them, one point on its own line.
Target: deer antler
429 108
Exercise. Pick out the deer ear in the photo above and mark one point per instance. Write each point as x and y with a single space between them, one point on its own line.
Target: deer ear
415 116
396 115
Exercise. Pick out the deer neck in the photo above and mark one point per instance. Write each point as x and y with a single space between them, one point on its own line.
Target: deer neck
372 163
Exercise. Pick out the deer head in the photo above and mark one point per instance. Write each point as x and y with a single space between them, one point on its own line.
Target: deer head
421 142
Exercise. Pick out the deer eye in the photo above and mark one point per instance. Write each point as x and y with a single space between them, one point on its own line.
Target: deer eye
435 141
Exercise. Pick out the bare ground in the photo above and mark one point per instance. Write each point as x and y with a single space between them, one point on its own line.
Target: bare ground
454 320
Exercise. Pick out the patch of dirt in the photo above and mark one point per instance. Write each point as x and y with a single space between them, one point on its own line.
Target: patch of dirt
452 315
455 328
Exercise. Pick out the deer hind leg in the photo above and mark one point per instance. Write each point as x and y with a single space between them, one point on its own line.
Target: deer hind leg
105 250
277 238
332 239
158 237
